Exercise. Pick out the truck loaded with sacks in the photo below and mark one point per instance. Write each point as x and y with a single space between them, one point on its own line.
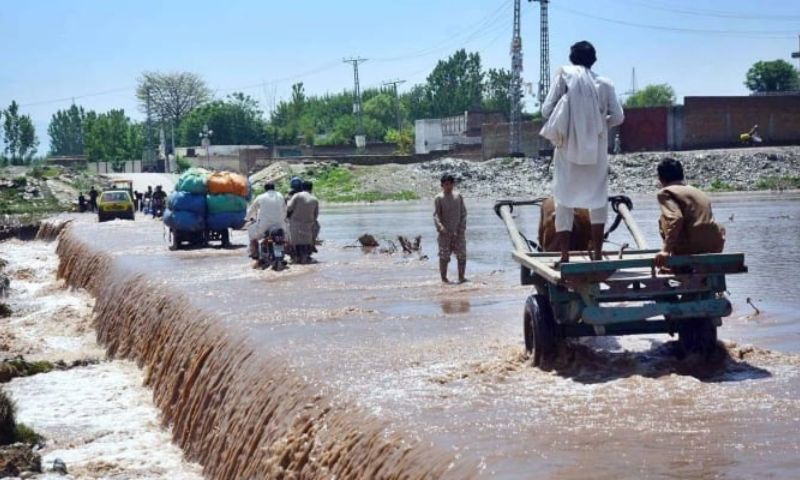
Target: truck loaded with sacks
204 206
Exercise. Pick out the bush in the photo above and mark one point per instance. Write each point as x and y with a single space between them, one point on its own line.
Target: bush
778 183
404 139
182 164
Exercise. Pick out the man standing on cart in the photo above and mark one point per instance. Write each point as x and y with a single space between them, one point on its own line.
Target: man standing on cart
580 108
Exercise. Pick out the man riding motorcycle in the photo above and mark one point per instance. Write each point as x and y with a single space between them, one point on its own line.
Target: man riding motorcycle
268 211
159 201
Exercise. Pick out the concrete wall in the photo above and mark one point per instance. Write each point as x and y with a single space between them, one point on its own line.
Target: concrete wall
428 135
711 122
496 141
131 166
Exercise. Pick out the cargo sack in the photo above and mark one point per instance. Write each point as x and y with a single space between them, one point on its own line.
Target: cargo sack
187 202
226 203
184 221
228 182
221 221
193 180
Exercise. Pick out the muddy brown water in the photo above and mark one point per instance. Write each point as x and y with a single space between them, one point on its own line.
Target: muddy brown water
365 365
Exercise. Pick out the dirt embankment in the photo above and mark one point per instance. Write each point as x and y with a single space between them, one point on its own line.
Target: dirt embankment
744 169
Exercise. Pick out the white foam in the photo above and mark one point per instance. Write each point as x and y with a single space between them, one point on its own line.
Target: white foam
98 419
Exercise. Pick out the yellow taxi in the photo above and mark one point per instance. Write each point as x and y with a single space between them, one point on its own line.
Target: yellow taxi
115 204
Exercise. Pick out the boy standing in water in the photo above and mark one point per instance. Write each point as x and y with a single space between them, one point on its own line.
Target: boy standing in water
450 218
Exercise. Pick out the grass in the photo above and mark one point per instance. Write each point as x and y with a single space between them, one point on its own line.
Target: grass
10 430
778 182
12 203
338 184
720 186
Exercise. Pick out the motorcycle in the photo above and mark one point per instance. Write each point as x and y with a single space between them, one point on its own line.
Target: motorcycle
271 250
158 205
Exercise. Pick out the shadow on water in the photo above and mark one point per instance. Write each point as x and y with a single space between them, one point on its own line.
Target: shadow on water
587 364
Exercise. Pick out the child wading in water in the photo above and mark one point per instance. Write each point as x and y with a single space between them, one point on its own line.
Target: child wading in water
450 218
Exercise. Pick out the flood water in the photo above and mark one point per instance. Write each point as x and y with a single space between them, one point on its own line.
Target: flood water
444 363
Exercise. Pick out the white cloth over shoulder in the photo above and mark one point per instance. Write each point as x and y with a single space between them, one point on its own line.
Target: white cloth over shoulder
269 208
580 178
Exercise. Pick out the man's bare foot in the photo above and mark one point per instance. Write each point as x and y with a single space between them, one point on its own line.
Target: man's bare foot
463 280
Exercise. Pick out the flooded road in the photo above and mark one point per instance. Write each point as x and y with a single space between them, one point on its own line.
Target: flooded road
97 418
442 365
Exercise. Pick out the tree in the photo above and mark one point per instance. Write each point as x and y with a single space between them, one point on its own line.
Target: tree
456 84
171 96
237 120
66 131
382 108
497 91
661 95
20 135
112 137
774 76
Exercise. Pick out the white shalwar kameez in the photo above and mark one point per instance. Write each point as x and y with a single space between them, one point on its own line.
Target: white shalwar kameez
269 208
580 178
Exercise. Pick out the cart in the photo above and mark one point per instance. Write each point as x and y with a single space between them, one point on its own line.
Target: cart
622 294
179 238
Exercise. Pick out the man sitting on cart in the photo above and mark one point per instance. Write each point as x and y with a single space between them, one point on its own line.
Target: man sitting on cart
687 224
269 211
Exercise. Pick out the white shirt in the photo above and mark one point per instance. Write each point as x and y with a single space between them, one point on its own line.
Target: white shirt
583 183
271 210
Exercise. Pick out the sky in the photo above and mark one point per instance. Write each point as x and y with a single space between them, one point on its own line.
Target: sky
93 51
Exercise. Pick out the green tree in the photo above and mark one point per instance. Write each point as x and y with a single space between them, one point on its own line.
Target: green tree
416 102
382 108
497 91
19 135
774 76
456 84
112 137
66 131
652 96
237 120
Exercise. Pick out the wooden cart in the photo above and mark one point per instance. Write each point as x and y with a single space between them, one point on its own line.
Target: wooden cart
623 294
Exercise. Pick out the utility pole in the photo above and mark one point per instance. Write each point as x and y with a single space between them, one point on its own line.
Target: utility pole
544 51
797 53
394 84
515 88
360 140
633 89
148 133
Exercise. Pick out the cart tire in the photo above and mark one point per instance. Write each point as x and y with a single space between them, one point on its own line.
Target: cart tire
698 336
175 244
541 340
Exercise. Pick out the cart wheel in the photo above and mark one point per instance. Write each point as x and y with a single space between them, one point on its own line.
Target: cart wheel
541 339
175 242
698 335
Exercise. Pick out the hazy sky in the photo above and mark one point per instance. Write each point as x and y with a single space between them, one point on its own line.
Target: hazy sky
93 50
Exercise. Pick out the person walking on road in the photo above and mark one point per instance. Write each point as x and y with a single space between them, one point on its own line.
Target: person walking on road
450 219
93 199
580 109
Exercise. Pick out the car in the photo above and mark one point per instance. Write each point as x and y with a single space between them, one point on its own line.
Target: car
115 204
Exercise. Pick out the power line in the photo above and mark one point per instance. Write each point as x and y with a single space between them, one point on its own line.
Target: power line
717 14
72 98
764 34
